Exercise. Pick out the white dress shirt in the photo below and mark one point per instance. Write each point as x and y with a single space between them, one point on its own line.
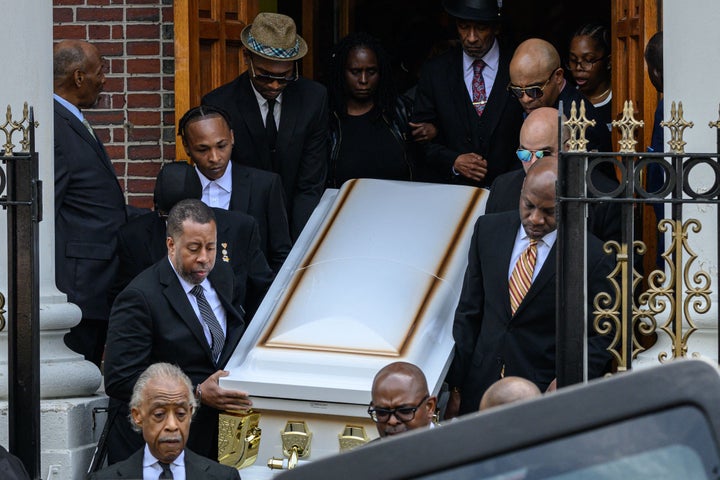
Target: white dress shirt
522 241
492 63
152 468
263 104
212 297
217 193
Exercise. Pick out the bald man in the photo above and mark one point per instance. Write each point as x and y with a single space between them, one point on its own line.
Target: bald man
508 390
539 139
537 80
401 400
502 330
89 203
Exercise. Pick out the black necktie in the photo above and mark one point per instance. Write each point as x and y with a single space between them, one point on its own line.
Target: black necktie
271 131
166 473
218 337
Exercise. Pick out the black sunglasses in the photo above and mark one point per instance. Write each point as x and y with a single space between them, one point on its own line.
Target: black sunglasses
404 414
534 92
267 78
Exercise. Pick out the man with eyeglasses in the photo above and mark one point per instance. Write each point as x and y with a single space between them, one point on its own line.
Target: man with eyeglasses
537 80
401 400
539 140
279 119
505 319
462 92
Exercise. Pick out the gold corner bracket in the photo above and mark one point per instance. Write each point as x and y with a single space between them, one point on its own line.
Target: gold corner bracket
627 125
677 126
578 123
239 437
10 127
296 440
352 436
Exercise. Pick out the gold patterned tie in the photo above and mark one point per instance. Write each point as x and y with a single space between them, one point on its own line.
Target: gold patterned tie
522 274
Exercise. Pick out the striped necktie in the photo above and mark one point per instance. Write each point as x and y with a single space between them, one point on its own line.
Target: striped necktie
218 337
522 274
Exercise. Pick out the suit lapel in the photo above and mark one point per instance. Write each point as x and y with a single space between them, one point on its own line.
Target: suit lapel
221 279
177 298
240 194
83 132
497 99
132 467
290 109
249 110
455 81
503 258
194 468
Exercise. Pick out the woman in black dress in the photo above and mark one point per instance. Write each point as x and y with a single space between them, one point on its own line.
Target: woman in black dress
369 121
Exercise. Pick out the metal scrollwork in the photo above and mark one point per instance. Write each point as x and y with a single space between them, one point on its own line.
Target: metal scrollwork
610 315
667 290
10 127
578 123
628 125
715 124
677 126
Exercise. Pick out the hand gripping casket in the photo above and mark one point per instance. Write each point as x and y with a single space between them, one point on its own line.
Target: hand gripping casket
374 278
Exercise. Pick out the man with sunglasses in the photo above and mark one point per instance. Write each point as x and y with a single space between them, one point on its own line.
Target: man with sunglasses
539 140
537 80
462 92
278 118
401 400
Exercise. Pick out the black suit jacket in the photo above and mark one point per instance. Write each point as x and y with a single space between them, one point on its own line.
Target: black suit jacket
142 242
195 467
442 99
603 218
488 337
259 193
301 147
152 321
89 209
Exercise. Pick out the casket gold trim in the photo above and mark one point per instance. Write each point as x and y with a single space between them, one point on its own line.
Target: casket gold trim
239 436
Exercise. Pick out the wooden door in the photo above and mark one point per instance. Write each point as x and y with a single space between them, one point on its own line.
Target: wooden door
208 51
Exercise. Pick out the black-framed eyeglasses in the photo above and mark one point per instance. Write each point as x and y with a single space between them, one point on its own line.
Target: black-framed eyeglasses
534 92
584 65
404 414
267 78
526 155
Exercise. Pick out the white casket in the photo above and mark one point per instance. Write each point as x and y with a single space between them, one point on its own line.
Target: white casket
374 278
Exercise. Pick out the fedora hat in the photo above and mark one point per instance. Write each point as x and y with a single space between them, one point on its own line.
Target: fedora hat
475 10
273 36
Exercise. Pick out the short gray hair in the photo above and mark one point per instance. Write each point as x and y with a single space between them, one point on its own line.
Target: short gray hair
155 371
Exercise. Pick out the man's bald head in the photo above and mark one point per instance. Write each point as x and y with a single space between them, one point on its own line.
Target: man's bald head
508 390
536 63
398 386
539 132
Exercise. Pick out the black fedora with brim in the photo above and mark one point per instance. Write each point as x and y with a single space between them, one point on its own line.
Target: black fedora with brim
476 10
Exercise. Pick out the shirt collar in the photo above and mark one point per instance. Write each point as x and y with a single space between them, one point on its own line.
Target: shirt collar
224 182
149 460
548 239
72 108
491 58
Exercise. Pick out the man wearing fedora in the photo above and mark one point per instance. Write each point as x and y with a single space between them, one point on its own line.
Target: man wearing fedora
463 93
279 119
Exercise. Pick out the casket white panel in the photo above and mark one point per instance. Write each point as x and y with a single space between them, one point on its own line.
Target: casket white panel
374 278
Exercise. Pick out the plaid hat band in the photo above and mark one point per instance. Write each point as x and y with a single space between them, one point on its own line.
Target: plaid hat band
273 51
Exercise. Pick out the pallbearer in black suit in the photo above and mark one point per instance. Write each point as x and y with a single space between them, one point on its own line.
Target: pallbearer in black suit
279 119
463 93
505 320
141 242
162 407
183 310
89 203
208 141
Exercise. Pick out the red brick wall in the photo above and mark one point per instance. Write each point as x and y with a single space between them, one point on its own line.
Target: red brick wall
135 115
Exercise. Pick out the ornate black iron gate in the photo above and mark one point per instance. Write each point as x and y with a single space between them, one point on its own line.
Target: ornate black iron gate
675 292
23 202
